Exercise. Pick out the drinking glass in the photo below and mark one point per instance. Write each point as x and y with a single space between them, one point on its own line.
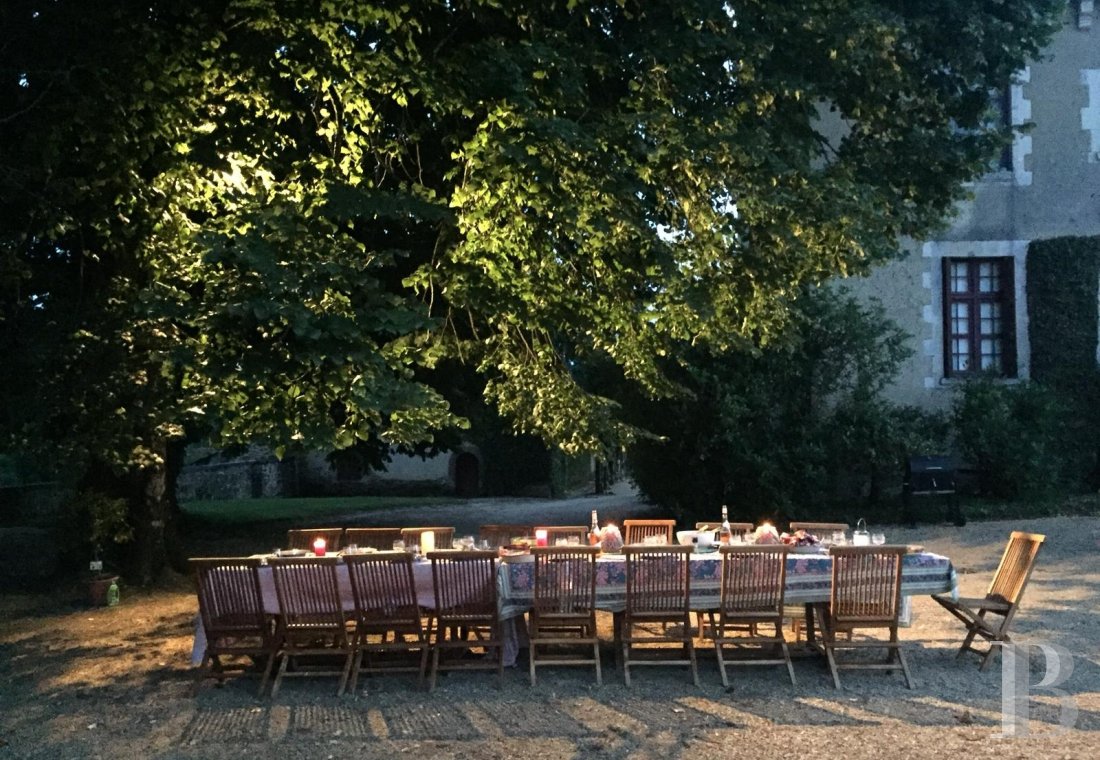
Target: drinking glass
878 539
839 538
399 545
352 548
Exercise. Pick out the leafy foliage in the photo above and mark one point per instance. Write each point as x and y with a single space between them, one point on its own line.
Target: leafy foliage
1012 436
268 222
791 429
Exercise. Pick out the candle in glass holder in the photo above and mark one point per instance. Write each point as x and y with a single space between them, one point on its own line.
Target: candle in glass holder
319 546
541 538
427 541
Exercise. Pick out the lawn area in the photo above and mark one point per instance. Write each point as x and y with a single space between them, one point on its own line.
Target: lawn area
241 511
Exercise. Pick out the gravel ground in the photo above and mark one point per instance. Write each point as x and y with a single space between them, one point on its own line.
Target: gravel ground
80 683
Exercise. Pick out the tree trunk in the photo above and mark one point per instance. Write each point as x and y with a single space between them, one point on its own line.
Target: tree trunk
154 515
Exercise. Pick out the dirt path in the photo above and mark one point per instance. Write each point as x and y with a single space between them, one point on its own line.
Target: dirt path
621 501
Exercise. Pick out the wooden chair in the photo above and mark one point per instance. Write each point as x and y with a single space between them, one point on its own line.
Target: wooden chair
658 590
753 580
637 531
302 538
372 538
385 603
444 537
990 616
738 528
466 603
820 529
502 535
231 607
563 610
312 620
866 594
555 532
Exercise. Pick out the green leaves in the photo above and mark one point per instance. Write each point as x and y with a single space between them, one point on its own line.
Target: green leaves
297 211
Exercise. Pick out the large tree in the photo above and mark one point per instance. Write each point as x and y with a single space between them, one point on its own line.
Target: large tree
269 221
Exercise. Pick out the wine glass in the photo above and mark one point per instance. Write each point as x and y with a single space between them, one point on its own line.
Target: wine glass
878 539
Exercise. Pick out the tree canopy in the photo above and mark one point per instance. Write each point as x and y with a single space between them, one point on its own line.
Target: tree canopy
271 222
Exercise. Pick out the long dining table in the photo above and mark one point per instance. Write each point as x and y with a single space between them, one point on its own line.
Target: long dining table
809 581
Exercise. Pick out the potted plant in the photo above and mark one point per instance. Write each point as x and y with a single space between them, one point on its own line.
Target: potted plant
108 526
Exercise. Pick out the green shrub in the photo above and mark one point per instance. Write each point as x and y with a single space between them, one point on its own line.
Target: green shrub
796 429
1012 436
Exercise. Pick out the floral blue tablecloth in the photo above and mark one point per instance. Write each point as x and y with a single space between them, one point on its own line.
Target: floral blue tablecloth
809 578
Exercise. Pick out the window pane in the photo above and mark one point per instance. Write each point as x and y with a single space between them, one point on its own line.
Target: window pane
991 354
960 318
989 277
958 276
960 354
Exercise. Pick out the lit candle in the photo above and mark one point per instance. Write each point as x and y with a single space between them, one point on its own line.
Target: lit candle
541 537
319 546
427 542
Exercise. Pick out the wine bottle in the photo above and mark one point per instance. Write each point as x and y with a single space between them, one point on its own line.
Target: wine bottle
725 533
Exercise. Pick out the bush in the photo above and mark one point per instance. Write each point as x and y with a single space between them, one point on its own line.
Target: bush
797 429
1012 436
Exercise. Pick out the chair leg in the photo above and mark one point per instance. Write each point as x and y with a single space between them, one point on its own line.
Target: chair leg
987 657
831 657
721 660
267 672
355 670
626 662
279 675
691 656
786 651
596 658
966 645
905 668
347 671
531 654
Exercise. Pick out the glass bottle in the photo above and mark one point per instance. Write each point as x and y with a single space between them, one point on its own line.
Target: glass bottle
594 531
112 594
725 533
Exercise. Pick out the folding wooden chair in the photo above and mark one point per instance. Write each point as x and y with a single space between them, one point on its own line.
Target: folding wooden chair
444 537
738 528
312 620
555 532
753 581
990 616
231 607
866 594
658 590
385 604
466 603
303 538
637 531
820 529
563 612
502 535
372 538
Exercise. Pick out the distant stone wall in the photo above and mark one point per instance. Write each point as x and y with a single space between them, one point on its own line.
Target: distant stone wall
252 479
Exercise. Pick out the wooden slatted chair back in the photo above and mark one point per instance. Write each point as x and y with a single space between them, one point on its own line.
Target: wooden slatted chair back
555 532
753 579
866 585
565 580
737 527
309 592
658 579
383 588
372 538
465 585
822 529
444 536
637 531
502 535
1015 568
303 538
230 600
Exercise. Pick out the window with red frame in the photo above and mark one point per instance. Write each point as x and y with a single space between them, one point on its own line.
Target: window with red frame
979 317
